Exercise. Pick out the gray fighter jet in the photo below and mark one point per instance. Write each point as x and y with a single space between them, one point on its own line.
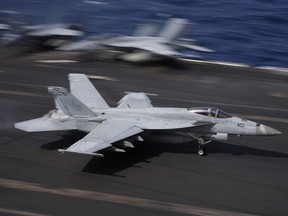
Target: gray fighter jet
46 36
147 43
134 119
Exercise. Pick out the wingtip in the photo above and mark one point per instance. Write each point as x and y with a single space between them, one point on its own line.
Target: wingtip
21 126
56 90
72 76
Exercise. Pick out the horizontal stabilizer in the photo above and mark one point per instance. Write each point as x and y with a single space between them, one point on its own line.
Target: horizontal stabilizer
43 124
194 47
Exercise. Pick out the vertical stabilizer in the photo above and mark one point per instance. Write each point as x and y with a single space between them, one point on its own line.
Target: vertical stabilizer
69 104
174 28
83 90
147 30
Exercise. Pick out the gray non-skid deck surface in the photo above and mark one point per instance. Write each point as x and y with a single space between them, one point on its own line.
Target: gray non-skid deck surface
242 175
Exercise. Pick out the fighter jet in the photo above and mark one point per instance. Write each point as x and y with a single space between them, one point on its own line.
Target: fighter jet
45 36
134 119
3 29
146 44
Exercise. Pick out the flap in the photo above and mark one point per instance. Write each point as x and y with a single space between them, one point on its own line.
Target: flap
104 135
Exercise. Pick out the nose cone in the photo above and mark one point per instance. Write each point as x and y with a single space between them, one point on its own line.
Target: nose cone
267 131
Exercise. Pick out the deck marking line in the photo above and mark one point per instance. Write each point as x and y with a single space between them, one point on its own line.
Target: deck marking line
56 61
22 84
264 118
19 93
18 212
118 199
224 104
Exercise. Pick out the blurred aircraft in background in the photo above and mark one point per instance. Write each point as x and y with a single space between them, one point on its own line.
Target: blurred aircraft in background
4 27
29 32
134 119
146 44
3 30
46 36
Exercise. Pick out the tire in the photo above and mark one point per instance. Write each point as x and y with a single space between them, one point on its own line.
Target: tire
202 151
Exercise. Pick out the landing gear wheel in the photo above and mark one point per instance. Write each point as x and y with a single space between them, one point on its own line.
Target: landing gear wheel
202 150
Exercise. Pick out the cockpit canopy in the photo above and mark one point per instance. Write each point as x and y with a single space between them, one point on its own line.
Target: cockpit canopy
209 111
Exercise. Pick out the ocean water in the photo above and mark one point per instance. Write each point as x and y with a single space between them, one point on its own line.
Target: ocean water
247 31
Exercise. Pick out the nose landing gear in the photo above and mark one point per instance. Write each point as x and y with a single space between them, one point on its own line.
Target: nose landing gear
202 150
202 146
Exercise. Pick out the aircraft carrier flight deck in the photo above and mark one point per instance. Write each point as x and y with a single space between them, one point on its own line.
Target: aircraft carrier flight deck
241 176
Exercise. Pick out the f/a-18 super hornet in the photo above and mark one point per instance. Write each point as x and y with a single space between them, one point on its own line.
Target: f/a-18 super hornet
45 36
149 45
145 45
134 119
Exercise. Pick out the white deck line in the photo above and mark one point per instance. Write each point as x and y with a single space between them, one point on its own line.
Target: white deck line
234 64
20 93
17 212
280 69
217 62
272 69
118 199
56 61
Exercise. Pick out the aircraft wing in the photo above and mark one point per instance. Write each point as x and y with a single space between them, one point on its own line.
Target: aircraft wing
56 31
135 100
108 132
159 49
152 45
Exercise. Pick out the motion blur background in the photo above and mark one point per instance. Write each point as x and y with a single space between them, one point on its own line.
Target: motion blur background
248 31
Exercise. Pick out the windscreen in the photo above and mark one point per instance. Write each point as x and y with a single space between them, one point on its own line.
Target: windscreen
210 111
